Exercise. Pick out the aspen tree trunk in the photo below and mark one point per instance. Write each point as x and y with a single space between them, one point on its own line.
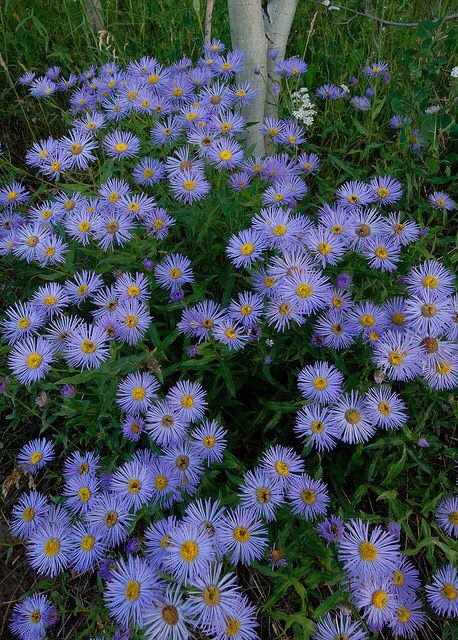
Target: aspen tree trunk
94 15
255 30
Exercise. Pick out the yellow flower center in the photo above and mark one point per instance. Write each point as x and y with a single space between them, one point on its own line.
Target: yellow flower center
55 166
226 66
187 401
381 253
336 329
170 614
398 578
317 426
263 495
241 534
430 281
230 333
158 224
353 198
396 358
36 457
23 323
111 518
324 248
153 78
320 383
161 482
384 407
84 226
368 551
278 197
380 599
337 229
112 227
383 192
232 627
12 195
84 494
148 173
32 241
131 321
440 202
269 282
189 550
87 543
35 616
398 319
132 591
51 547
209 442
133 206
428 310
134 485
304 290
284 309
76 149
138 393
46 213
246 309
279 230
34 360
225 154
28 514
367 320
453 518
281 468
247 249
403 614
352 416
175 273
449 591
88 346
308 496
120 147
211 595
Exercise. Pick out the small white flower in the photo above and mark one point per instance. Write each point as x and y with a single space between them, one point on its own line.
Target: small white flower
454 72
269 342
433 109
345 88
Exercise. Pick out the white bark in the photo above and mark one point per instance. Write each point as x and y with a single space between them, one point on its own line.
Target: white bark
278 18
247 34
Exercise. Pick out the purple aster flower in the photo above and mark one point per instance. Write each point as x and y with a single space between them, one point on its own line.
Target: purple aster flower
307 497
186 462
447 515
189 399
377 602
165 480
386 408
278 226
272 128
131 590
246 247
110 515
247 309
133 483
121 144
282 463
291 67
292 134
277 558
49 549
209 439
441 200
212 596
148 171
429 275
113 190
174 271
86 347
136 391
79 146
86 547
31 360
81 493
83 286
306 288
416 141
165 424
262 493
382 253
339 626
51 250
376 69
309 163
408 618
27 514
13 195
158 222
288 191
158 539
314 423
112 227
282 311
354 194
241 623
189 185
386 190
133 427
405 577
320 382
21 320
133 319
80 465
367 316
402 232
429 314
28 620
189 552
394 529
360 103
170 616
90 122
397 122
442 594
231 333
351 416
441 372
107 568
243 536
27 240
367 554
327 247
331 529
330 92
225 153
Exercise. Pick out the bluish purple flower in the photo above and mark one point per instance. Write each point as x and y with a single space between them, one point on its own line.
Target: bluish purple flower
331 529
330 92
442 594
360 103
158 539
81 493
21 320
397 122
112 227
405 577
86 547
314 423
430 274
447 515
382 252
386 189
86 347
189 399
170 616
339 626
27 514
231 333
189 552
133 427
132 482
174 271
262 493
291 67
441 372
409 617
121 144
282 463
165 424
351 416
208 514
386 408
402 232
13 195
246 247
28 620
212 596
354 194
131 591
136 391
429 313
416 142
209 439
243 536
307 497
110 515
327 247
31 360
80 465
320 382
133 319
307 289
376 69
49 549
441 200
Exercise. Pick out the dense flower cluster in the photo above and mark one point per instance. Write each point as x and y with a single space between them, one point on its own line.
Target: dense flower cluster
175 576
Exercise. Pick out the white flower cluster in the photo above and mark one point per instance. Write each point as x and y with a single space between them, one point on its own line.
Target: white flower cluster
454 72
302 107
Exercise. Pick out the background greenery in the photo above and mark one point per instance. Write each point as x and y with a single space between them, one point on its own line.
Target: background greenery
391 477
